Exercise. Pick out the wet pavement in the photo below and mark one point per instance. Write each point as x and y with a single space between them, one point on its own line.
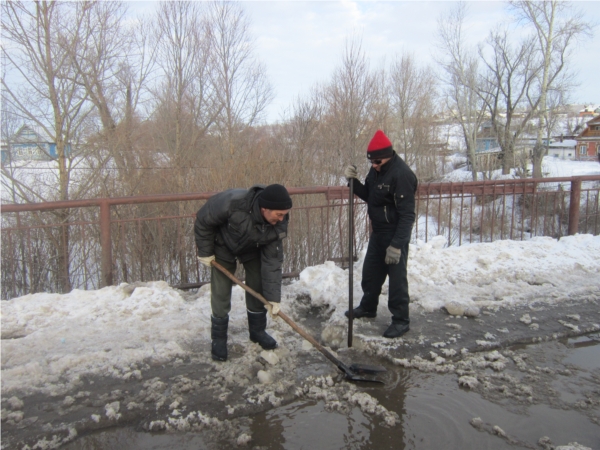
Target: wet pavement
526 377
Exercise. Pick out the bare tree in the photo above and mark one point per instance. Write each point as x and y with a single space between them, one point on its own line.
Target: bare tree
240 81
113 61
99 44
413 106
510 90
185 101
45 90
557 25
296 147
10 124
352 109
184 105
43 87
301 136
461 79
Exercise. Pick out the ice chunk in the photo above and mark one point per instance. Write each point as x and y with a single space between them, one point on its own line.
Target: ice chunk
467 381
269 357
15 403
526 319
264 377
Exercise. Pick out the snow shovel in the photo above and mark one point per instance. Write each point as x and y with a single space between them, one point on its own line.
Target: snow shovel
352 372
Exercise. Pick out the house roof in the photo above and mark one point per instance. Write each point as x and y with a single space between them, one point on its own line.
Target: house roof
587 132
565 143
594 120
30 134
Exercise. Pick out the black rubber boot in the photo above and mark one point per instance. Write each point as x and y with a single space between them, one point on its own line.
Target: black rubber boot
218 334
257 322
359 312
396 330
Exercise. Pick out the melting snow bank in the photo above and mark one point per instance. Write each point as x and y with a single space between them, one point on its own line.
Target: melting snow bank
504 272
464 279
51 341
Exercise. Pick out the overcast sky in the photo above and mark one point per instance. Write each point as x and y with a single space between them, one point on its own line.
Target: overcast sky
301 42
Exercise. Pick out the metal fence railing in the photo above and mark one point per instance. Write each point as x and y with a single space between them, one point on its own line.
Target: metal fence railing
87 244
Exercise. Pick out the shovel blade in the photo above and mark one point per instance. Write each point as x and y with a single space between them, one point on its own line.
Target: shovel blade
363 379
356 376
365 369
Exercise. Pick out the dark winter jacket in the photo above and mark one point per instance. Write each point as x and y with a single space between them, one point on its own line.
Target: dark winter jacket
390 197
230 226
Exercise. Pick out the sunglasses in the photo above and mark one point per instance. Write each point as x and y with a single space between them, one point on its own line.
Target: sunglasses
375 161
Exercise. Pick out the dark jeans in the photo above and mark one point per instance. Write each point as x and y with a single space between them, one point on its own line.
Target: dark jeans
375 270
220 287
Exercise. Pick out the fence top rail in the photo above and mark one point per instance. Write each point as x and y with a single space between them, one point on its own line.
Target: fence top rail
331 192
157 198
424 186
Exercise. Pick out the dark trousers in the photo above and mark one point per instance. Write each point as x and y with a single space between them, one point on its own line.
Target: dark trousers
220 287
375 270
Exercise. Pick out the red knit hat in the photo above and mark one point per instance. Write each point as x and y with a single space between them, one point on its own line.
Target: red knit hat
380 146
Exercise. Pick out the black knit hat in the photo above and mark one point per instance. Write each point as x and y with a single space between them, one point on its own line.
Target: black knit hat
275 197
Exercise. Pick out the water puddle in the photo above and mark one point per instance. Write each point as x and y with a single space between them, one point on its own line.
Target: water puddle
434 411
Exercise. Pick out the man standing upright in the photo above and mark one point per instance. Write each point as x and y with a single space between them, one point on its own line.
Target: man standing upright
389 191
247 225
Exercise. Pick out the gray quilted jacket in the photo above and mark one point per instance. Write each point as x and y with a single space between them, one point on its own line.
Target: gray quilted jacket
230 226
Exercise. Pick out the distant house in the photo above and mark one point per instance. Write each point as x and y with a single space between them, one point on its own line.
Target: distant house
563 148
589 111
28 144
486 139
4 151
588 141
488 152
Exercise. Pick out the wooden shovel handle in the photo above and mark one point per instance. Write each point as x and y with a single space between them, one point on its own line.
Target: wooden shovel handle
284 316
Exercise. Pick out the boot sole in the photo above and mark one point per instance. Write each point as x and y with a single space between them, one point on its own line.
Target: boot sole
218 358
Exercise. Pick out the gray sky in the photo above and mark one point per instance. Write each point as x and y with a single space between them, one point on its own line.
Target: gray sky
301 42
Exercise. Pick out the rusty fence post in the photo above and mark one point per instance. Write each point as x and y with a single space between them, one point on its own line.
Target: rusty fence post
574 206
106 244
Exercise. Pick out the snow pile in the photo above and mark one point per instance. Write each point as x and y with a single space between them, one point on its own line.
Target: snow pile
104 332
503 272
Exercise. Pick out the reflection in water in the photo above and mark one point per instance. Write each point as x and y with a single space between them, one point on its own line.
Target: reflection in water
126 438
308 425
587 355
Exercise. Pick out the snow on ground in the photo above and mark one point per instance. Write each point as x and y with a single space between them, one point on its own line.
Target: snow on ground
50 341
551 168
556 167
